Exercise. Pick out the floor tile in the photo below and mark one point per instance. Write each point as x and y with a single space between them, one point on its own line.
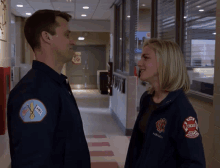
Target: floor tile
104 165
101 153
98 144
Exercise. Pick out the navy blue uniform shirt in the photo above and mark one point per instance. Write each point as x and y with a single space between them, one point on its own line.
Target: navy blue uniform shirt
172 138
44 123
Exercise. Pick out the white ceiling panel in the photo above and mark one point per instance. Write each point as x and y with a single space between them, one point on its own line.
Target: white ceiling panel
14 3
79 7
107 2
89 12
78 15
26 10
63 6
40 5
101 15
72 1
102 12
103 7
98 9
48 1
87 1
15 12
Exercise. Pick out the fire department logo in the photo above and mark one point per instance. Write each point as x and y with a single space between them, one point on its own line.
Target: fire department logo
190 127
160 124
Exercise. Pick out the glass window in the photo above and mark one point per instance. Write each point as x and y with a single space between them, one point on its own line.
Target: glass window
199 43
120 38
127 35
166 15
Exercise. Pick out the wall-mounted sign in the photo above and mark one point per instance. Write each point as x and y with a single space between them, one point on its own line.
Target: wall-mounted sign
77 58
3 16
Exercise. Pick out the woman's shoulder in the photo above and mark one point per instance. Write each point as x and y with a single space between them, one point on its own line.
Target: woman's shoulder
184 106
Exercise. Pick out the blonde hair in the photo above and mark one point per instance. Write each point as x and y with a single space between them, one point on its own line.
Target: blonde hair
172 69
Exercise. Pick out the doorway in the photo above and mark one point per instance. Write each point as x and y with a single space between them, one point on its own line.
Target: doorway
84 75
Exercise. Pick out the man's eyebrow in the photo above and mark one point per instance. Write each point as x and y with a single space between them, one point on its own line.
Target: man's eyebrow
67 31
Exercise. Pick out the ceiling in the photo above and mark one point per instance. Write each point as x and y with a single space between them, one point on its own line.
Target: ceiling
98 9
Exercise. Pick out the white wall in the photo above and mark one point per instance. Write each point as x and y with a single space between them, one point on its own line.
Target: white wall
90 25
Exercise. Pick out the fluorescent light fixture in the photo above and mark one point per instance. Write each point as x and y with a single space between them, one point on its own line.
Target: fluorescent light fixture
128 16
20 6
214 33
198 6
201 10
85 7
83 15
185 17
28 13
143 5
81 38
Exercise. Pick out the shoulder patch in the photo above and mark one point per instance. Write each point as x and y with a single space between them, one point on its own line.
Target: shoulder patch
190 126
32 110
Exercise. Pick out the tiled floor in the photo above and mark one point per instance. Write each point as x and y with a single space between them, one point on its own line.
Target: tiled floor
107 144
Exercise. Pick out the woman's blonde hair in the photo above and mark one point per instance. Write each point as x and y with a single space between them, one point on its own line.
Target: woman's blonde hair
172 69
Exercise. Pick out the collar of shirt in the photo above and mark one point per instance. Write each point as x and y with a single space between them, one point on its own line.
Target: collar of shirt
49 71
169 99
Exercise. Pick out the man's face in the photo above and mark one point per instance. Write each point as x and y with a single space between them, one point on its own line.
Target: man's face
62 44
148 65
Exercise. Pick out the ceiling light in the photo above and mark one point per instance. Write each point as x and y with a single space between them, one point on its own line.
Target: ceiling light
83 15
198 6
201 10
128 16
28 13
185 17
214 33
85 7
20 6
143 5
81 38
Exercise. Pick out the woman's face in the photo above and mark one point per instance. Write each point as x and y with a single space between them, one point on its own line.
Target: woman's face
148 65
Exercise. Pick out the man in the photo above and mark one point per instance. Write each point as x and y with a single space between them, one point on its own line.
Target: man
44 123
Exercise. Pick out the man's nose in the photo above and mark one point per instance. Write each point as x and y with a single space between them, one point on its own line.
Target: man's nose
72 42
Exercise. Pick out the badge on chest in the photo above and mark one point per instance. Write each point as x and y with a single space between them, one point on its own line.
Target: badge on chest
160 124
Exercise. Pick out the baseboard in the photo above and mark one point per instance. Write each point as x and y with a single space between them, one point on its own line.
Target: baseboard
126 132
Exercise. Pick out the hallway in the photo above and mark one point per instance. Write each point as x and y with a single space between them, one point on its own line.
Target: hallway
107 144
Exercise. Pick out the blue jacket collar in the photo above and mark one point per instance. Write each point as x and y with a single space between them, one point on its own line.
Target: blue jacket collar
49 71
170 97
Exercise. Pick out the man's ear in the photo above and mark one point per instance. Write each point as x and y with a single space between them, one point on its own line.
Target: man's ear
50 36
46 36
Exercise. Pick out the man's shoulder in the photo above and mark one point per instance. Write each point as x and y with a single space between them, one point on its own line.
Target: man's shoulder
34 84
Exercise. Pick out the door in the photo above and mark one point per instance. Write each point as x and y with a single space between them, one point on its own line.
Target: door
84 76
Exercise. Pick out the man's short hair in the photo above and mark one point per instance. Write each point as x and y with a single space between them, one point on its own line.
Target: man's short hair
42 20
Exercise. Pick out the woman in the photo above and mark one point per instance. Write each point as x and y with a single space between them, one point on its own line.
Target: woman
166 132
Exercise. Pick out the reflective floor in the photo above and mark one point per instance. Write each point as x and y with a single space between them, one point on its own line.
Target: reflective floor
107 144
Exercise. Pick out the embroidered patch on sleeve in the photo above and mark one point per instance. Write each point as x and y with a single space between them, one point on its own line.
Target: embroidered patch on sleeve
32 110
190 127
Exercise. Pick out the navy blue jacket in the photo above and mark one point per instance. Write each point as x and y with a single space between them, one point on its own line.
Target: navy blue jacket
172 137
44 123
